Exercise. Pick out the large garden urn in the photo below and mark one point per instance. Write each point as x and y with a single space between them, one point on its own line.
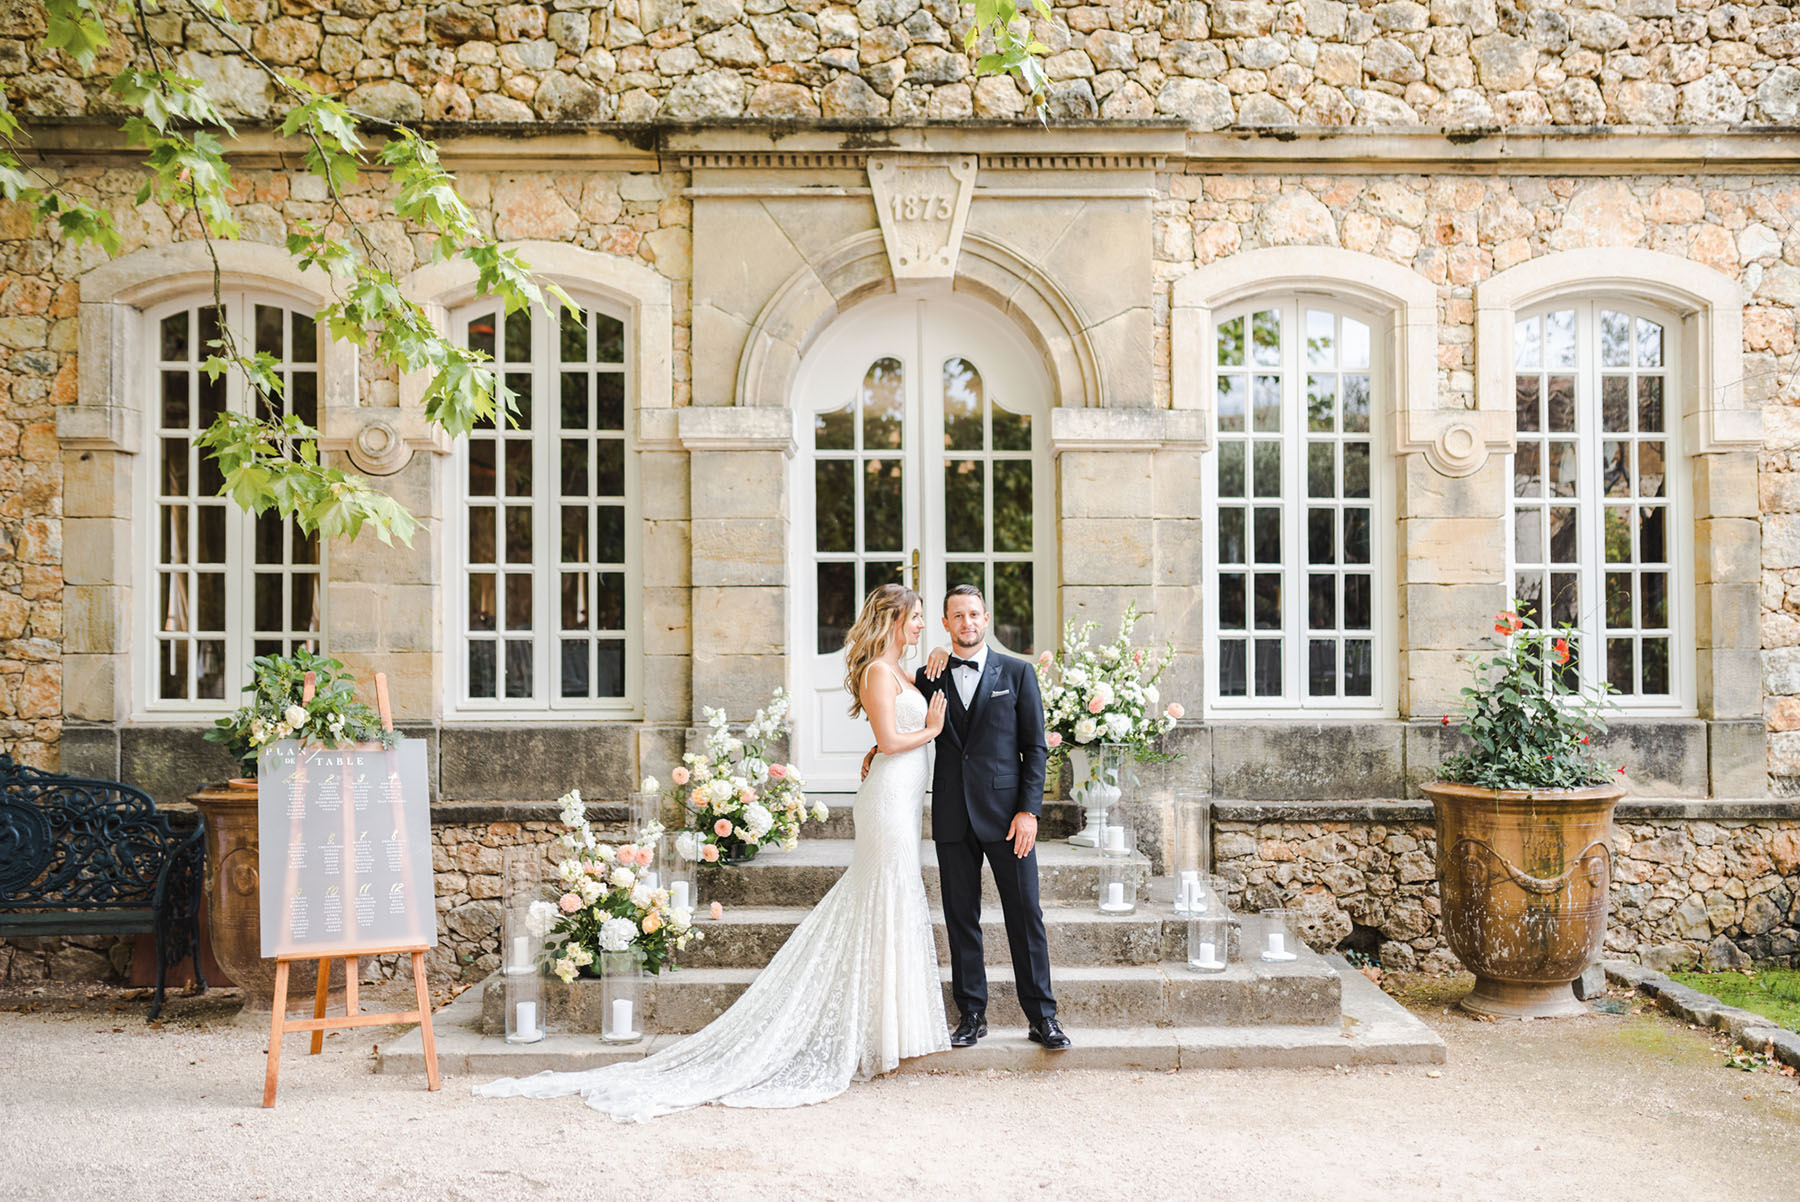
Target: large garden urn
1524 877
233 901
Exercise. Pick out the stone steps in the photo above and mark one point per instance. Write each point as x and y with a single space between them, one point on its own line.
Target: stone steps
802 876
1078 934
1301 992
1373 1030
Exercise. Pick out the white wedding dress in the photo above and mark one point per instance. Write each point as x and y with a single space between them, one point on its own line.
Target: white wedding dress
853 991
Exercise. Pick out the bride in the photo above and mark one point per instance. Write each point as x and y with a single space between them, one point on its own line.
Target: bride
855 989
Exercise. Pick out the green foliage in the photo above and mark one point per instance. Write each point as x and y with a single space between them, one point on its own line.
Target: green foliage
1015 50
334 716
1773 993
1529 720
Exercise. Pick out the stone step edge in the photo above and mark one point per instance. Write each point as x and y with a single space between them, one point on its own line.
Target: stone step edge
1750 1030
1377 1031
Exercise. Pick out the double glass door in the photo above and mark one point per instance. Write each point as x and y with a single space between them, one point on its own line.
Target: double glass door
922 462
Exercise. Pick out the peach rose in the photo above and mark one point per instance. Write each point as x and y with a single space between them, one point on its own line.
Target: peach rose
747 796
679 776
627 853
570 902
1175 710
1096 705
717 911
1053 740
652 923
777 771
722 828
710 854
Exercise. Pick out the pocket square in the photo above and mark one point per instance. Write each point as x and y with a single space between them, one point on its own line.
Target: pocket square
1000 693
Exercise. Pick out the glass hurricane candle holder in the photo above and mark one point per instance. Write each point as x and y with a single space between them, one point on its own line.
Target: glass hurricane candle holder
1191 846
645 809
1117 836
622 981
1118 887
1279 936
683 879
1209 943
1192 897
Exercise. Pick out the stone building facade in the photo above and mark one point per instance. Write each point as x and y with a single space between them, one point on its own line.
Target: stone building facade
1316 330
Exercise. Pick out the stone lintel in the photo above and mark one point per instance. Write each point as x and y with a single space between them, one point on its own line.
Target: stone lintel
736 428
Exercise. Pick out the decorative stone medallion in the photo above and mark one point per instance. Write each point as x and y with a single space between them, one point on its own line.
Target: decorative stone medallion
923 202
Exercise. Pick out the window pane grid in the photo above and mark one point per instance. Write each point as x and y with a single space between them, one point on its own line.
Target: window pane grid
226 584
1592 510
859 499
988 502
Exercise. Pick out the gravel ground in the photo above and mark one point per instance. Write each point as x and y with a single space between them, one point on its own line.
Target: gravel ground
96 1104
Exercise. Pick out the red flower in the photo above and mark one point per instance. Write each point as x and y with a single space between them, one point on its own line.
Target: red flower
1508 623
1584 738
1561 647
1445 720
1621 770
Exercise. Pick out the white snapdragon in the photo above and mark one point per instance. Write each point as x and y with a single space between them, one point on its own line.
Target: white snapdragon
564 969
616 934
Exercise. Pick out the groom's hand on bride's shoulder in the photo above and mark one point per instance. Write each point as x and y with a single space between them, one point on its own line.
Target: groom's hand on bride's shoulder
934 663
867 761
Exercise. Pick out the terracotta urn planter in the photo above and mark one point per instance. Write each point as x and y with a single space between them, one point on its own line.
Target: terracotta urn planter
234 904
1524 878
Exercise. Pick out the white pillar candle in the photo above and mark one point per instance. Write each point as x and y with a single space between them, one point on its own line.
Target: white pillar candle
621 1016
678 895
1208 955
521 951
1278 942
1115 893
651 879
525 1018
1115 838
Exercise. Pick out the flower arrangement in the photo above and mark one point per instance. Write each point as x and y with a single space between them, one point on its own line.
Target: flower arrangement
738 801
335 715
1106 694
607 904
1529 720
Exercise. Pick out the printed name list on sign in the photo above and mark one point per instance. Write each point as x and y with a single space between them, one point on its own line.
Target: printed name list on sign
321 813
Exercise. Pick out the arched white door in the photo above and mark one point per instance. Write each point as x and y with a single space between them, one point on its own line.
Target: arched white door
923 458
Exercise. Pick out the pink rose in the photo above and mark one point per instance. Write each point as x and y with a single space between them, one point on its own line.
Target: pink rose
1096 705
777 771
747 796
1044 659
628 853
679 776
1137 657
717 911
570 902
643 856
1053 740
710 854
722 828
1175 711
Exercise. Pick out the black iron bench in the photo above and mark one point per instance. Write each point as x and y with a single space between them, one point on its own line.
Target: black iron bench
94 857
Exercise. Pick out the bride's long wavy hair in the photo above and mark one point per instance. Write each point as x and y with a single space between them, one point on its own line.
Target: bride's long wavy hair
868 638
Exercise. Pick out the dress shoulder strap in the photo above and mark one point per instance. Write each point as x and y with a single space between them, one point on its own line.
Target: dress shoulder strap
899 684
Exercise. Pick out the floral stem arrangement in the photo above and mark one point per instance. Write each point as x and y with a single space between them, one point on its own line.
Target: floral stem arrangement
1529 720
1106 694
607 904
738 801
335 716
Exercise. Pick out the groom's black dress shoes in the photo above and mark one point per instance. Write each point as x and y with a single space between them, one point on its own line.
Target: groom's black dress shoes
1048 1032
972 1027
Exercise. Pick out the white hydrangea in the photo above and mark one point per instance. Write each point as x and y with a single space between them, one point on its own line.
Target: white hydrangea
757 819
616 934
1118 726
649 785
687 845
540 919
622 877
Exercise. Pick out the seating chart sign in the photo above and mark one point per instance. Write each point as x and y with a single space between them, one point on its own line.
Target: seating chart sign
346 849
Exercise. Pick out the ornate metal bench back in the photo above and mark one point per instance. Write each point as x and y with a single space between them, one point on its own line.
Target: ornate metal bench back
70 843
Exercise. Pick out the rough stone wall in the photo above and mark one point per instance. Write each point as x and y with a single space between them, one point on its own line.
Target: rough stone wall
1721 894
1252 63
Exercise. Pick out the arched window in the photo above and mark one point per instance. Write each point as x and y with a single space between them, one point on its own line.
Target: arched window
1299 554
222 585
1598 528
543 589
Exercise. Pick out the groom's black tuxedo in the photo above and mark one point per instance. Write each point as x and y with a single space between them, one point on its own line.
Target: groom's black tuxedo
990 767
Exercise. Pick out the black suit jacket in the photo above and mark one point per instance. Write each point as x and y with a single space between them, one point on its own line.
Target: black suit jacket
980 781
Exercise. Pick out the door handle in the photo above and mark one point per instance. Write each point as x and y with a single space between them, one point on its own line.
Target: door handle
915 571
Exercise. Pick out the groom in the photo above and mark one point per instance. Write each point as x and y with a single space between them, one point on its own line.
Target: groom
986 794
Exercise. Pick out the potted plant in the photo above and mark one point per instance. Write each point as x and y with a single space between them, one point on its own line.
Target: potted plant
334 715
1524 825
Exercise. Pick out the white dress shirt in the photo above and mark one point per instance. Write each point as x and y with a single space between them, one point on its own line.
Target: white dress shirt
967 678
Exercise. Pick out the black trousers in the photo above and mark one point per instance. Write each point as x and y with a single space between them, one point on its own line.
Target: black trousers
959 871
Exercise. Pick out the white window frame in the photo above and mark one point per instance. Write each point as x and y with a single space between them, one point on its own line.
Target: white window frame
239 567
545 539
1383 700
1590 505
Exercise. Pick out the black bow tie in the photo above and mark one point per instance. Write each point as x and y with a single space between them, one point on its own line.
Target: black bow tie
963 663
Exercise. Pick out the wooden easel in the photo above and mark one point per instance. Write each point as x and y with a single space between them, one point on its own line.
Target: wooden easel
318 1024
